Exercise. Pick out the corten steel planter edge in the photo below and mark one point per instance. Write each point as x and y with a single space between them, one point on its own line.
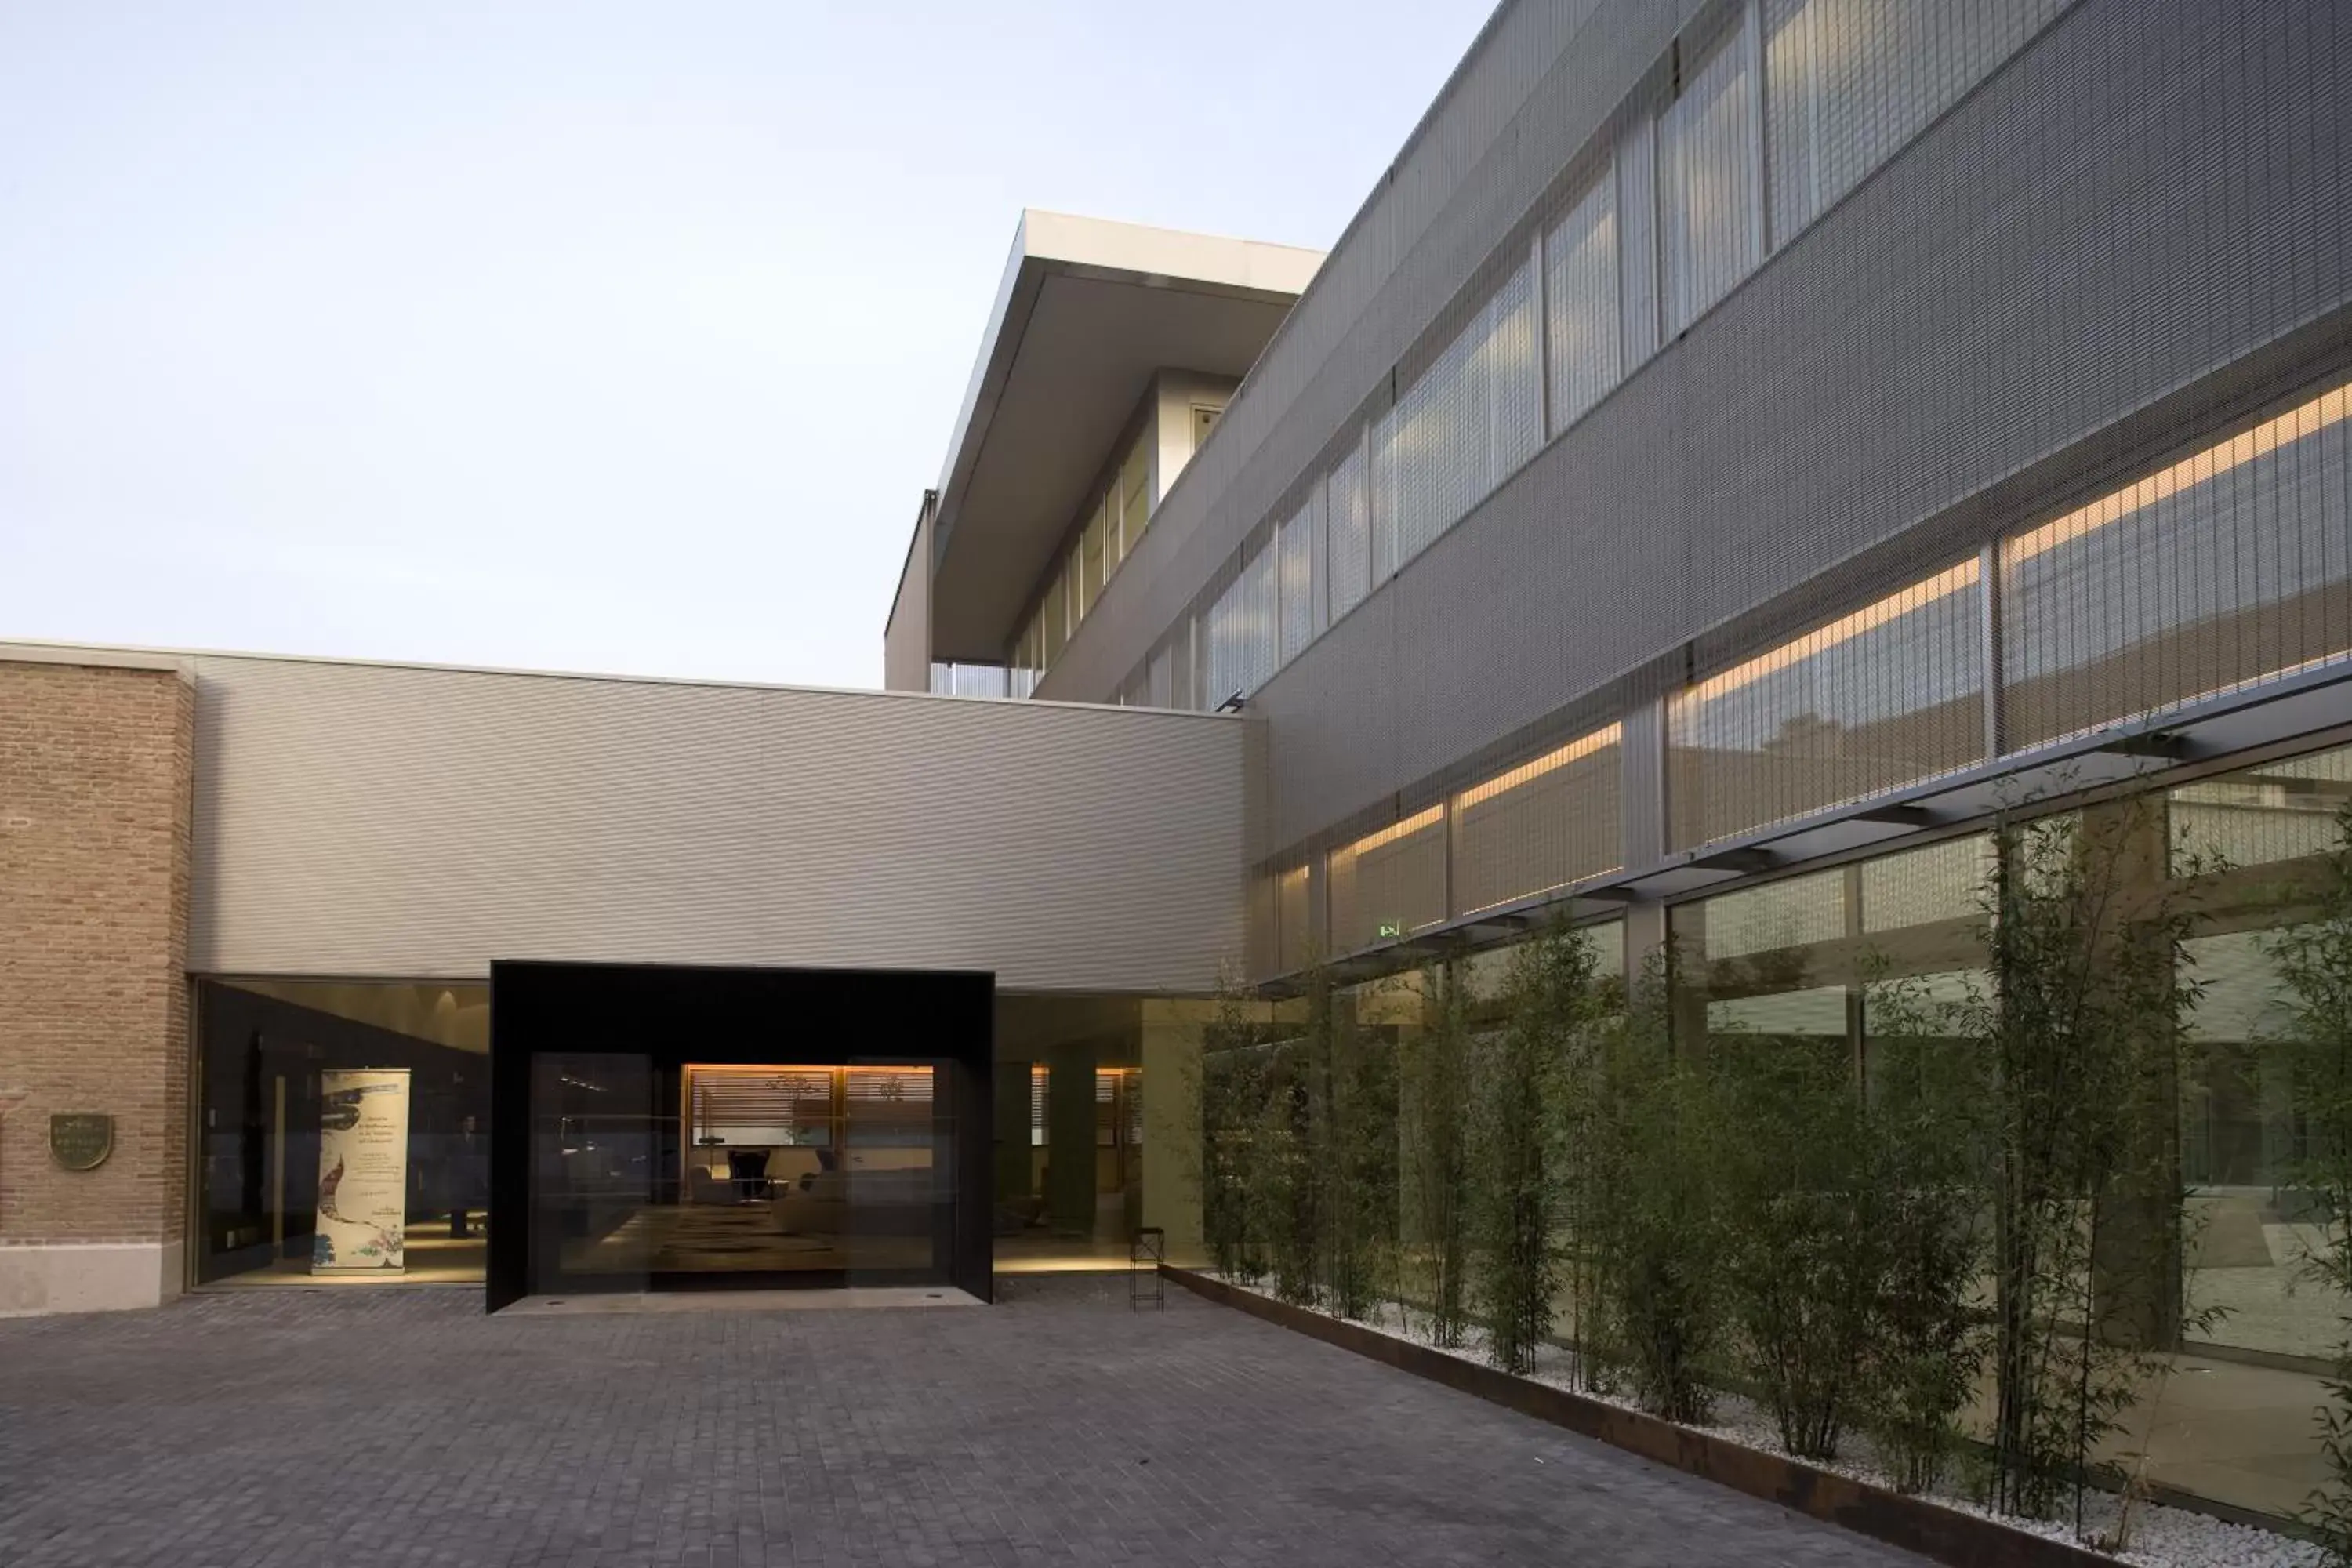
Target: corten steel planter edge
1915 1524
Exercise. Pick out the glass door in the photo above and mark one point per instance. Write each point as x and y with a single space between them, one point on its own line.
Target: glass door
602 1200
898 1141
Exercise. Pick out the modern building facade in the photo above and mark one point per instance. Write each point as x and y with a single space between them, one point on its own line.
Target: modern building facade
1738 446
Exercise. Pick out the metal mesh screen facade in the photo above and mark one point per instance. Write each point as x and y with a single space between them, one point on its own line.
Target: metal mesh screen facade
1849 81
2007 244
1244 627
1299 587
1540 826
1296 943
1583 326
1708 194
2227 569
1390 883
1348 497
1890 694
1637 217
1464 423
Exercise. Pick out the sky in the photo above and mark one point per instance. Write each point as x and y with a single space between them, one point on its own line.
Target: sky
582 336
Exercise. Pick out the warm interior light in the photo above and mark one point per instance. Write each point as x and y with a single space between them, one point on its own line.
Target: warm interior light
1582 747
2310 418
1895 606
1420 819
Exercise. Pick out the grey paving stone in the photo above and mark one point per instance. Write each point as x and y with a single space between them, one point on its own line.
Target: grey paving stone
402 1426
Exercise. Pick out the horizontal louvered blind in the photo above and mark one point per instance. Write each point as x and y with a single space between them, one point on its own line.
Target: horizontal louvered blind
792 1106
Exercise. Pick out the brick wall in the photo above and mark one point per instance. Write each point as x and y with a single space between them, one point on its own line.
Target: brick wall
96 771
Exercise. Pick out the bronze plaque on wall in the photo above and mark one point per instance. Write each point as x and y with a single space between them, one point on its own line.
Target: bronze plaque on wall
81 1139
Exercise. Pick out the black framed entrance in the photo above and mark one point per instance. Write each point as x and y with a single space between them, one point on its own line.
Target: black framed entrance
662 1127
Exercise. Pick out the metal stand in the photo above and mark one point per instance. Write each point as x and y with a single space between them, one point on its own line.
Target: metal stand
1145 1253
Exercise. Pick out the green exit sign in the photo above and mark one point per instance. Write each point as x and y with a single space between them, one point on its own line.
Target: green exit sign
1389 929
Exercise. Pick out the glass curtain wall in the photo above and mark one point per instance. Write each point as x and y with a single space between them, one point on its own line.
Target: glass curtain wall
652 1175
343 1131
2247 1116
1070 1130
1804 959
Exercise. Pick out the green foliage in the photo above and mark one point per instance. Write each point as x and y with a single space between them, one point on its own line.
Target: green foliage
1434 1083
2081 1033
1926 1207
1653 1235
2314 964
1805 1250
1283 1202
1994 1175
1356 1137
1517 1168
1233 1089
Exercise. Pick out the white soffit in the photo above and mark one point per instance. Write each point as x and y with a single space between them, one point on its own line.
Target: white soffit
1088 311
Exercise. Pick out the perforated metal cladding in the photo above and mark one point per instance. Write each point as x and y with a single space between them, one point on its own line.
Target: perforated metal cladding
1389 884
2227 569
1541 826
2041 262
1886 696
367 820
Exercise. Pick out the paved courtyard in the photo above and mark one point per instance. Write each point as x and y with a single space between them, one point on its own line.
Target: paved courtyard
402 1426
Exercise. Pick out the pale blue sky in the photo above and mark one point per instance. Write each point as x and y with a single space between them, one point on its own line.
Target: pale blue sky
576 335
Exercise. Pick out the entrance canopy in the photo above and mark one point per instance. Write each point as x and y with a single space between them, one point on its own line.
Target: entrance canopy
661 1127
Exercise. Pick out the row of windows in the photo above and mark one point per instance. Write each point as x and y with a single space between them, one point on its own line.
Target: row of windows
2227 570
1535 829
1849 964
1804 957
1114 526
1681 207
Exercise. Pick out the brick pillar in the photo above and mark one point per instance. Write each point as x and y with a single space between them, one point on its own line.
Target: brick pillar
96 787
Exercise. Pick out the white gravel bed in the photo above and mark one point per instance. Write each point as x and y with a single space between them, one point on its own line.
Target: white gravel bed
2160 1537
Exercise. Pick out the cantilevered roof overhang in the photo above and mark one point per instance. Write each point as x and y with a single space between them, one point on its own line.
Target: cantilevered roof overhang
1087 311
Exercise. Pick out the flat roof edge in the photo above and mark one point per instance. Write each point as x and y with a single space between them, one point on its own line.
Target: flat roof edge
30 650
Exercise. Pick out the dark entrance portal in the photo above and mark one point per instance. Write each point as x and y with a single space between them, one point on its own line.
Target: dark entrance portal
662 1127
